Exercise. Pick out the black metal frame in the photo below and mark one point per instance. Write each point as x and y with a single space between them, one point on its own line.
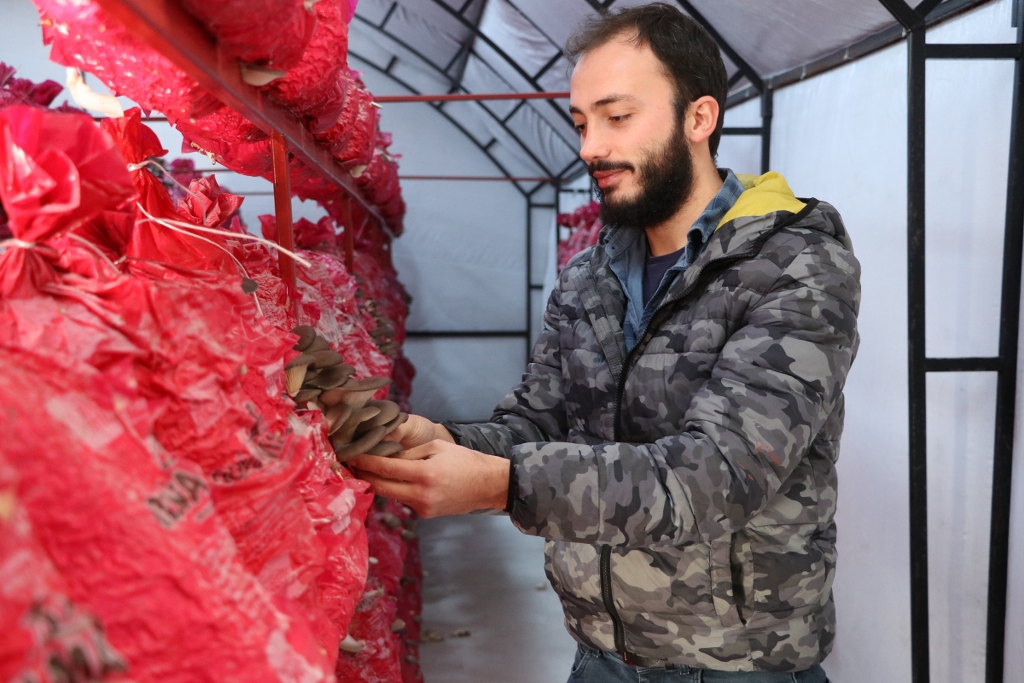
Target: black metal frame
912 25
915 23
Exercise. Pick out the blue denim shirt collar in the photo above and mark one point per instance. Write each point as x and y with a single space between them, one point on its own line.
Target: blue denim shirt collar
627 253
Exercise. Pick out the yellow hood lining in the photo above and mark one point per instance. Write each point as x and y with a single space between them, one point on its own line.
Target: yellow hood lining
764 195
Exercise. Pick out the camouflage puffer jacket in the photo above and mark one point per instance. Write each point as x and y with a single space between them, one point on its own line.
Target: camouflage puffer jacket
687 488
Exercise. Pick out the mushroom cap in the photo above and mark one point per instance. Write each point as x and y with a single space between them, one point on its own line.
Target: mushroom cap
389 410
397 422
332 377
385 449
367 384
326 359
361 445
333 397
306 336
306 395
343 432
303 359
319 344
336 416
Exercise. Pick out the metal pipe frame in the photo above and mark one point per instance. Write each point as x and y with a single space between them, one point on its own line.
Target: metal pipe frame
165 27
472 97
427 61
483 148
481 36
919 365
890 36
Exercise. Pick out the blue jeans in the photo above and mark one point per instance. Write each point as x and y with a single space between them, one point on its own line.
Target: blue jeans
595 666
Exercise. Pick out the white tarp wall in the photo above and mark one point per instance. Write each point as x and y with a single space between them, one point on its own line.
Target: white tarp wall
842 137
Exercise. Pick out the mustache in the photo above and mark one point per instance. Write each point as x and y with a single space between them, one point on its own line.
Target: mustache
605 165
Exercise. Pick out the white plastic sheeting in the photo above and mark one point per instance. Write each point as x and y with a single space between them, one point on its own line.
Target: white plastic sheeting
841 137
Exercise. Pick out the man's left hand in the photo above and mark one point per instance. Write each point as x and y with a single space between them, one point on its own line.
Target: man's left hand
438 478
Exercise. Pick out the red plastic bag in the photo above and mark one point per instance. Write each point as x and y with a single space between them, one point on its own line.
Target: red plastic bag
46 637
311 88
133 532
240 27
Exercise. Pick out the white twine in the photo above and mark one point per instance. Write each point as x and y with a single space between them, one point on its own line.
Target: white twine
168 224
153 162
15 242
225 233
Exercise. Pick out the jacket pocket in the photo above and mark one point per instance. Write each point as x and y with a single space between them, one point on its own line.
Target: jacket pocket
792 567
722 589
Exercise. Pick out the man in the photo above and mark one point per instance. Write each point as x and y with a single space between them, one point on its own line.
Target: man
675 435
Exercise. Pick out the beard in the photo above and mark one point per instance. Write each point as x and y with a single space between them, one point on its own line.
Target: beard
665 181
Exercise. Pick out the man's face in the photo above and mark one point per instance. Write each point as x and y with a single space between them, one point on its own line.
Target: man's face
622 102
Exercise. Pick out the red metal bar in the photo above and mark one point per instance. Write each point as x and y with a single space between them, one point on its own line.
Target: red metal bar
350 239
507 178
472 97
283 205
164 26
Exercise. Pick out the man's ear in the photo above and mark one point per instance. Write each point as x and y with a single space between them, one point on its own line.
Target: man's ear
701 119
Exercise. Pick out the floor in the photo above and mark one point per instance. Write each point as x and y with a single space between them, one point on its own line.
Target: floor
484 576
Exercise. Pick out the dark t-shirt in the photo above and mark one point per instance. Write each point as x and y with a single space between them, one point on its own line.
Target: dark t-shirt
655 268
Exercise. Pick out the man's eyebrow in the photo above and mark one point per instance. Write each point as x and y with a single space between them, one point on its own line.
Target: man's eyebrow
603 102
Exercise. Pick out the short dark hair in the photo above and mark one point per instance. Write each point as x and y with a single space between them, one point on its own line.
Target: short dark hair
684 47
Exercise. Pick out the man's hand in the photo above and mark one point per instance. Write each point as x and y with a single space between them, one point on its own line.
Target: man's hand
438 478
417 431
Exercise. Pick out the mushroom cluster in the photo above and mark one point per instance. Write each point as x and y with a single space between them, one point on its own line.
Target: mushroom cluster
318 378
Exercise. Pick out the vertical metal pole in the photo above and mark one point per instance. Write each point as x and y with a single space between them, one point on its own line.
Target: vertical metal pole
529 275
919 641
283 206
350 243
767 109
1006 386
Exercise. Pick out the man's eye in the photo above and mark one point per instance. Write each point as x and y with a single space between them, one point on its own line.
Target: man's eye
580 128
618 119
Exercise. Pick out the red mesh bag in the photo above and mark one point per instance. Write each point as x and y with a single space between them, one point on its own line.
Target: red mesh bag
23 91
134 534
46 637
81 36
240 27
311 87
585 226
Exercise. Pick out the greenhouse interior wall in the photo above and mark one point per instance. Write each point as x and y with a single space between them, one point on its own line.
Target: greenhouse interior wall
841 137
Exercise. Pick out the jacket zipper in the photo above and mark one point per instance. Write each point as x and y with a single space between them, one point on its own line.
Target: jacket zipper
606 550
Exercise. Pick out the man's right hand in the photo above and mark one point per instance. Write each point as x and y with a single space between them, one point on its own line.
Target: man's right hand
417 431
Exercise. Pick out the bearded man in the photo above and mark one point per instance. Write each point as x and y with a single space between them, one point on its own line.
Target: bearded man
675 435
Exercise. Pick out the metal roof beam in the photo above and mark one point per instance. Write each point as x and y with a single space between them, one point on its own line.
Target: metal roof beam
483 148
903 13
480 35
426 60
849 53
740 63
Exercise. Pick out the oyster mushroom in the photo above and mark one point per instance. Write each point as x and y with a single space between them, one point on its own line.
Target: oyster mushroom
295 373
359 446
319 344
358 392
306 337
332 377
389 410
385 449
326 359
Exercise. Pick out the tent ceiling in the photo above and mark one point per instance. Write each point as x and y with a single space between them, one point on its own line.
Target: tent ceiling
494 46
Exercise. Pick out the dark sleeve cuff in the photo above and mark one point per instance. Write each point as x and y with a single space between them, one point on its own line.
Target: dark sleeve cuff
512 488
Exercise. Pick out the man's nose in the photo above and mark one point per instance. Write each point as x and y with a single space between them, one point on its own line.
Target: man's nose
593 146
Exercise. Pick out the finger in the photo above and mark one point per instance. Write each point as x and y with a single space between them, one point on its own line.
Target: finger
411 454
388 488
391 468
422 451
